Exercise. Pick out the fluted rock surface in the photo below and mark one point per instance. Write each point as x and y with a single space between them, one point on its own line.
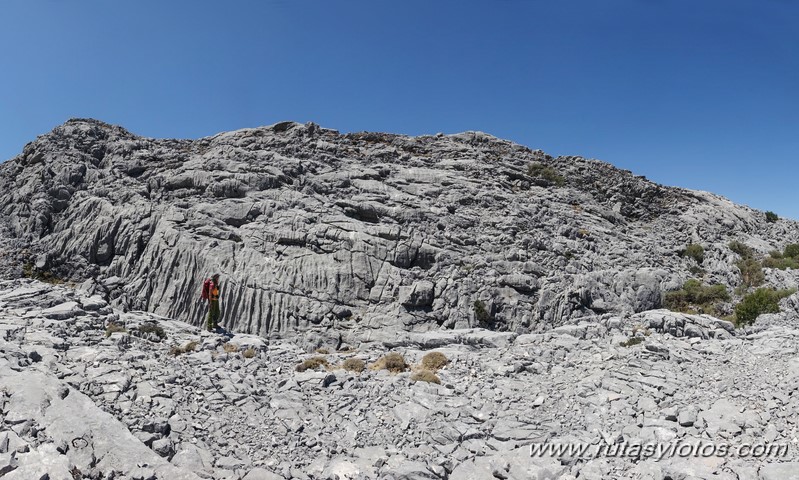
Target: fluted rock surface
312 229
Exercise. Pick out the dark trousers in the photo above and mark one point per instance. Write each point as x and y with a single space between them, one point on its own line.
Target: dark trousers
213 314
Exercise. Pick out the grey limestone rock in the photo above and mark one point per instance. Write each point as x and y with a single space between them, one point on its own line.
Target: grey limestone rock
316 230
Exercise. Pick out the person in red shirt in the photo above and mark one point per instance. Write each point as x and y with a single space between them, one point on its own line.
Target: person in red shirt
211 294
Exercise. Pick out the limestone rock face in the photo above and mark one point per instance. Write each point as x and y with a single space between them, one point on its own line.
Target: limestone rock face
311 229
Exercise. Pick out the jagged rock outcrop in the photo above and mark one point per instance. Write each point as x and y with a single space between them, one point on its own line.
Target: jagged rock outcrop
312 229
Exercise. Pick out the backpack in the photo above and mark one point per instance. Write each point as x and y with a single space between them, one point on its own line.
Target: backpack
206 293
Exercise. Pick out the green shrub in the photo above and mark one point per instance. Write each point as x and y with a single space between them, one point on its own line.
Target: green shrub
547 173
741 249
695 251
762 300
788 258
481 314
632 341
771 217
694 297
434 361
791 250
751 272
781 262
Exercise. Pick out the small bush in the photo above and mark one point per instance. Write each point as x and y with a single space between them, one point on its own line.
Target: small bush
741 249
113 328
425 376
29 271
189 347
771 217
148 328
354 365
248 353
780 262
788 258
751 272
547 173
312 363
434 361
695 251
230 347
481 314
792 250
631 341
696 297
393 362
322 351
762 300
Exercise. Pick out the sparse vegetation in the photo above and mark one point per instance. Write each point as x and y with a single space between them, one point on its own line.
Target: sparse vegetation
148 328
434 361
425 376
312 363
547 173
741 249
322 351
230 347
248 353
29 271
762 300
188 347
771 217
788 258
114 328
631 341
695 251
751 272
393 362
481 314
695 297
354 365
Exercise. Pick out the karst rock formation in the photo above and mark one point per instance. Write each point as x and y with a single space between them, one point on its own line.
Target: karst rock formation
317 231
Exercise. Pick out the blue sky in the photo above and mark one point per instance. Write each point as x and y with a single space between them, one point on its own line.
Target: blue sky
701 94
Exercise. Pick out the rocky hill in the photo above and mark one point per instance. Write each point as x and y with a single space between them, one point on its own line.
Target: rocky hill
317 231
521 292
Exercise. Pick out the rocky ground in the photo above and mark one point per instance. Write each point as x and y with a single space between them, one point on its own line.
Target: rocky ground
77 403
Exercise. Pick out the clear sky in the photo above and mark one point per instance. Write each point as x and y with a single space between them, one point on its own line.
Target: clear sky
702 93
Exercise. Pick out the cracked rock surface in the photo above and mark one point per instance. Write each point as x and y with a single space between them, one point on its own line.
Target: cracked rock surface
76 402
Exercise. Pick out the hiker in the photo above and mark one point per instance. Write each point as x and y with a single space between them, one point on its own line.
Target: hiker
211 293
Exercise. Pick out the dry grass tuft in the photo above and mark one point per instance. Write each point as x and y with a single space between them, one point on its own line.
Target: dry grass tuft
249 353
322 351
312 363
189 347
425 376
354 365
434 361
230 347
113 328
393 362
